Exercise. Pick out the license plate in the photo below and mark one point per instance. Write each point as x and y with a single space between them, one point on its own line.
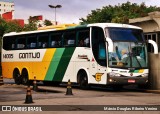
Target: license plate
131 81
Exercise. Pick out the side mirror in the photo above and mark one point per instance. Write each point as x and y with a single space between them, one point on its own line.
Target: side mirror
155 46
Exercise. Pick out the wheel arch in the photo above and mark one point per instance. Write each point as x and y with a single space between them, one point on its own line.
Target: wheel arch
82 70
16 70
25 69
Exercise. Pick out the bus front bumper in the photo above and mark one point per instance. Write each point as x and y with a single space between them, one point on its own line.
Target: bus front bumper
126 80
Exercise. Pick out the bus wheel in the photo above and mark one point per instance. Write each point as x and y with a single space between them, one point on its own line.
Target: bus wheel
83 80
17 77
25 79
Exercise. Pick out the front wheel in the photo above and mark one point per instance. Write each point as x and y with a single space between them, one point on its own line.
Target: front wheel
83 80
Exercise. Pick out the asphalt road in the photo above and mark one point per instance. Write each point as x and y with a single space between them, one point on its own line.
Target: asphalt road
12 94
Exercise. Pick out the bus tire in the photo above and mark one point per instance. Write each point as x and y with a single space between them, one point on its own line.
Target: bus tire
25 79
17 77
83 80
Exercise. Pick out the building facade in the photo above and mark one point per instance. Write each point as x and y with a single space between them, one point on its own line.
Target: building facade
6 7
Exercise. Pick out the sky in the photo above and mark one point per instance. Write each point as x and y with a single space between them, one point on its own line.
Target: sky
71 11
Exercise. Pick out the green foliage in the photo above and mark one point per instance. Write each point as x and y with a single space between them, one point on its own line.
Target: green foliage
9 26
32 25
13 26
3 26
119 14
47 22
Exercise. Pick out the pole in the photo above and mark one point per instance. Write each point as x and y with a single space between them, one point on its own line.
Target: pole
57 6
55 17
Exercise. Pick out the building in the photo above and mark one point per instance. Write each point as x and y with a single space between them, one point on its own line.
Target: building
6 7
7 12
151 27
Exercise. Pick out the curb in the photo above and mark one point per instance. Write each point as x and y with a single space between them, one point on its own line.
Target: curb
152 91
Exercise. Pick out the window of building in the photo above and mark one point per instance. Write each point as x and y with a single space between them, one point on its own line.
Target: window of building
151 36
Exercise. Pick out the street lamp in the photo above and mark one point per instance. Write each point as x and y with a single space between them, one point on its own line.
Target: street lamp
57 6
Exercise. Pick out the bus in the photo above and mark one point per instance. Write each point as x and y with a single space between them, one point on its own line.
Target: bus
107 54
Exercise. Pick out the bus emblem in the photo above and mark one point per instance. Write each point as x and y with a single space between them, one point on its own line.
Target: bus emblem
131 74
98 76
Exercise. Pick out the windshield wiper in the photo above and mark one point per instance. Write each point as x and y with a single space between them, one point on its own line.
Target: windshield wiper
137 60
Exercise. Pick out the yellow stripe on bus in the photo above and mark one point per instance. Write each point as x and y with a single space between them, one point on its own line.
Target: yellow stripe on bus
141 71
38 69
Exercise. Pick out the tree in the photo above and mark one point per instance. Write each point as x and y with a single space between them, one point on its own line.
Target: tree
47 22
32 25
13 26
119 14
3 26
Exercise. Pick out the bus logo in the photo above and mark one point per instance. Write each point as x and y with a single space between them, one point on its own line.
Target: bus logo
98 76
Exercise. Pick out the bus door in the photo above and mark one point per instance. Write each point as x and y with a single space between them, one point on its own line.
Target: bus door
98 63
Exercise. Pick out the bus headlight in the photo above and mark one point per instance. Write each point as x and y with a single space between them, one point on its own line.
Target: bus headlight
112 74
144 75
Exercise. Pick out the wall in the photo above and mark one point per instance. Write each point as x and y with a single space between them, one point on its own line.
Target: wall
154 66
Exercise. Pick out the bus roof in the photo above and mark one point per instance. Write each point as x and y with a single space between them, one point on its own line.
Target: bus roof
104 25
72 26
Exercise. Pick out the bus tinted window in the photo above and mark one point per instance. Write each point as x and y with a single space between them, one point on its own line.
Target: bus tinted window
69 39
31 41
43 40
83 38
55 39
98 46
21 42
9 42
122 34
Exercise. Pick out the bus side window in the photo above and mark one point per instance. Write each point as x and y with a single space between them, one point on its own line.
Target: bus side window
32 45
43 40
69 39
83 38
9 42
21 42
99 46
31 41
55 40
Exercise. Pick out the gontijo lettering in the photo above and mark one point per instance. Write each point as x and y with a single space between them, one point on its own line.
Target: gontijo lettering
29 55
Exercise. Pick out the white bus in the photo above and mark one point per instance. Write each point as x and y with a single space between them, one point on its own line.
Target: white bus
101 53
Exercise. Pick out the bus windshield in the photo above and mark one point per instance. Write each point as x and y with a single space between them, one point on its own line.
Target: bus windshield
126 34
129 49
128 55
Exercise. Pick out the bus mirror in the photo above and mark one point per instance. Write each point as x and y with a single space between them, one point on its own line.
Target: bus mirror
110 45
154 46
